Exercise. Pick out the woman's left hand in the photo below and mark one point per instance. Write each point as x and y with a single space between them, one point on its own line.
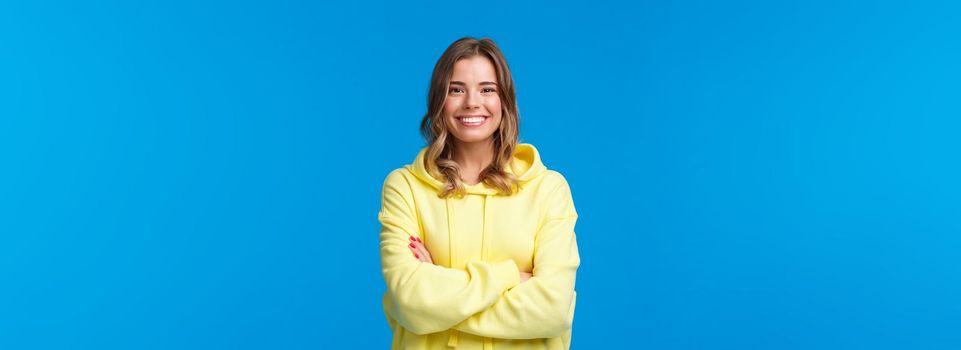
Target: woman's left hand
417 247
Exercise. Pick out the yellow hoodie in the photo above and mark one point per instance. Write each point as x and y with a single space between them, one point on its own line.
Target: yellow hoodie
472 297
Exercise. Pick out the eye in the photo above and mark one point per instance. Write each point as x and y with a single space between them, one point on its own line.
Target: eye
455 90
488 90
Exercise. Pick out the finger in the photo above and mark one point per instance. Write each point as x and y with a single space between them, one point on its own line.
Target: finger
415 252
422 248
422 251
426 253
417 256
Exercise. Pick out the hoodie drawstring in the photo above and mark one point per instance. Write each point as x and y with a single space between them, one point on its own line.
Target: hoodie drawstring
485 237
452 340
485 256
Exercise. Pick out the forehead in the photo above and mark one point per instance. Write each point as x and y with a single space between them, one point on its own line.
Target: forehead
474 69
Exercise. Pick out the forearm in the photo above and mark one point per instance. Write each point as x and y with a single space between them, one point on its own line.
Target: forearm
534 309
427 298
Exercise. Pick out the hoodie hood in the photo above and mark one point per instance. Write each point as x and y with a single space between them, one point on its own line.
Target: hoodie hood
525 164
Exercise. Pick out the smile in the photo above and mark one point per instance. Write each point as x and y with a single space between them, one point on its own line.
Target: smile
472 120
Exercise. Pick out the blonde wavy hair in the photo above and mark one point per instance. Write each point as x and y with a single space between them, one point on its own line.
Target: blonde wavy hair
434 128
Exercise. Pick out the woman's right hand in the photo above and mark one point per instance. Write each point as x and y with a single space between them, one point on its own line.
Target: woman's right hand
421 253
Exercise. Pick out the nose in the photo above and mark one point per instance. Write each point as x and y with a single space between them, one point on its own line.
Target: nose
472 100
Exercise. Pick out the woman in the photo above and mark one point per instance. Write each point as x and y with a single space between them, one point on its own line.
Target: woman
477 242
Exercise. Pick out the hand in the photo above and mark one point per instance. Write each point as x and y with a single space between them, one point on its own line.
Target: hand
525 276
420 252
417 247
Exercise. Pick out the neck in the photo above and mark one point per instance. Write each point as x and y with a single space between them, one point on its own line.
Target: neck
474 155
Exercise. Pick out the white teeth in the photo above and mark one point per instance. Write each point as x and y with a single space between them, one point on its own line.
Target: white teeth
472 119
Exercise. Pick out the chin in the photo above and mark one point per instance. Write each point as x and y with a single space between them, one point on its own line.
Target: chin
473 138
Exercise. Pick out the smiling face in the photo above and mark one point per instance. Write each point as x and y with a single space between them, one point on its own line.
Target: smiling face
472 108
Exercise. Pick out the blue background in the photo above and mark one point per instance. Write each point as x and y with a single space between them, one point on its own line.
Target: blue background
749 175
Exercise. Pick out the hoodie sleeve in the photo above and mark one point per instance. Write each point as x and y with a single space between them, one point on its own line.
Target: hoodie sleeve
426 298
543 306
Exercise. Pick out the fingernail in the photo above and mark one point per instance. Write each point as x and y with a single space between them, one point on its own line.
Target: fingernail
417 239
412 238
416 256
412 245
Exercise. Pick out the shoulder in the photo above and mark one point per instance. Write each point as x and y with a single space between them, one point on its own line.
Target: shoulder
398 179
551 187
399 174
554 180
555 196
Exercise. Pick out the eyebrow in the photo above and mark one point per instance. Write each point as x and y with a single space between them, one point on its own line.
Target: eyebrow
481 83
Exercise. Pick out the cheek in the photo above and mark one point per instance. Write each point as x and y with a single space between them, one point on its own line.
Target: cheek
494 106
449 108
